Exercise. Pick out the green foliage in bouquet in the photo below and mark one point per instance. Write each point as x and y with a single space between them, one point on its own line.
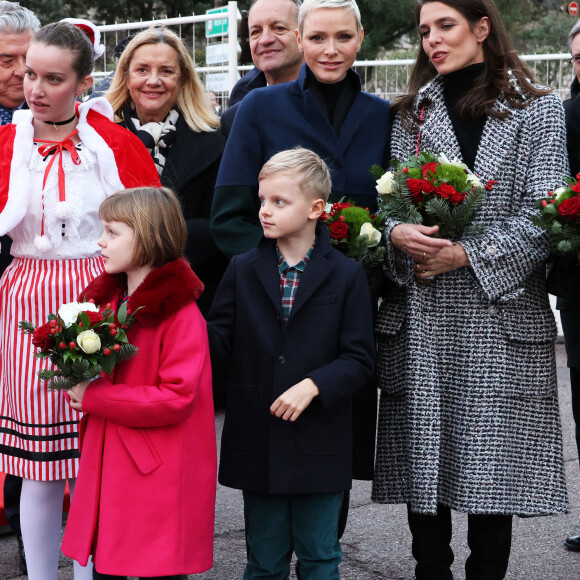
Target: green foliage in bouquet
81 342
560 217
431 190
355 232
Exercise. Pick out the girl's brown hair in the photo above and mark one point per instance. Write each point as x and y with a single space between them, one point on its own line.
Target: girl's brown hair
69 37
154 214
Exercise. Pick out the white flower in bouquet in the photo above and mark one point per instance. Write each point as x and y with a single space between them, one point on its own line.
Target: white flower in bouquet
89 341
473 179
385 183
444 160
559 192
368 231
69 313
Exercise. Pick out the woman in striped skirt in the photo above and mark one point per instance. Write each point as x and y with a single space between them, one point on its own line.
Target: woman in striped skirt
58 161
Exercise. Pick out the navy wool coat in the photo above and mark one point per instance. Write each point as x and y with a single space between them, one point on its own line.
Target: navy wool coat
279 117
328 337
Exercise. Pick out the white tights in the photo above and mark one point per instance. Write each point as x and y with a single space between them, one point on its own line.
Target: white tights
40 521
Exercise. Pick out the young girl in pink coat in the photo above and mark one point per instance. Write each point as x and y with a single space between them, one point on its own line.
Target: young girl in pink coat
145 494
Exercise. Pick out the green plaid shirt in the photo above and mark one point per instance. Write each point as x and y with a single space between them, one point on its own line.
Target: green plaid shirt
289 279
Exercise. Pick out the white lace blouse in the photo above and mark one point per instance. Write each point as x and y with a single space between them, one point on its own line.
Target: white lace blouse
72 237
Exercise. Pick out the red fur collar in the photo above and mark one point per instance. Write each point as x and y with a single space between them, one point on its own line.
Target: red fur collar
164 291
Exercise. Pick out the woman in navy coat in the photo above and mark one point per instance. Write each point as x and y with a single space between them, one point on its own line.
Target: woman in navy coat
320 111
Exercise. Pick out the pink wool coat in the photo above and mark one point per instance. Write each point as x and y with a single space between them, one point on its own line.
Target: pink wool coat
145 495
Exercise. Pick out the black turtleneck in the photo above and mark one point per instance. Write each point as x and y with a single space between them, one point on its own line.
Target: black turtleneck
468 130
335 99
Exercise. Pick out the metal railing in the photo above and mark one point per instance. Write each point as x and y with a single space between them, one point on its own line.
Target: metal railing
385 78
389 78
113 33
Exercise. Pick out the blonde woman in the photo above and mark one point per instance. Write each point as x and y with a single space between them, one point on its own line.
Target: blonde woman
157 95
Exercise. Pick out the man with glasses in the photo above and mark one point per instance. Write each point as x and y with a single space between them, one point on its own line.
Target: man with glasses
275 52
564 277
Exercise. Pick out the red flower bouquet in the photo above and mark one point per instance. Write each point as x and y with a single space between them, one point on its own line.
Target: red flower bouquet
355 232
81 342
560 217
432 191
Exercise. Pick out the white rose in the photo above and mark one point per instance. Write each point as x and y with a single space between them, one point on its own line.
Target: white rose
368 231
385 183
558 192
89 341
69 313
328 208
473 179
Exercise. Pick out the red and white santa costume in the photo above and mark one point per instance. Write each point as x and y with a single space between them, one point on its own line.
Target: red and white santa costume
38 429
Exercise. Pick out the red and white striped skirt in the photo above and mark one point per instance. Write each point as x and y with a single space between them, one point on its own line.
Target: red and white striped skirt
38 428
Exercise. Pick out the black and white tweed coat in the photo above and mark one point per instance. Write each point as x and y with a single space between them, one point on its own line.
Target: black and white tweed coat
469 409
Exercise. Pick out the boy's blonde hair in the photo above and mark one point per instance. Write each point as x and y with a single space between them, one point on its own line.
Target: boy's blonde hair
154 214
306 167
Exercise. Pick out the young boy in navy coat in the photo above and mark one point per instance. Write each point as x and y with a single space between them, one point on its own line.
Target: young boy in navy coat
292 320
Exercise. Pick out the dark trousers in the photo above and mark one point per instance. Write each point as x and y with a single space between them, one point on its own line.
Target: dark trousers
280 524
97 576
575 389
488 536
12 490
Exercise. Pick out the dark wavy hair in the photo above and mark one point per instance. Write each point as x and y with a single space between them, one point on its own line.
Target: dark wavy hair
499 58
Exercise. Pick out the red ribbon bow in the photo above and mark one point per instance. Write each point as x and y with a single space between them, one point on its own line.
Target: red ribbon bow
57 147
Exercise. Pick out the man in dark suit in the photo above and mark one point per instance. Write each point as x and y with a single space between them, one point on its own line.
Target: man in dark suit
564 278
277 59
17 27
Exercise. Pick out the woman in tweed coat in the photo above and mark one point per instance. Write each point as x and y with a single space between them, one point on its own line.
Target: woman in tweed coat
469 415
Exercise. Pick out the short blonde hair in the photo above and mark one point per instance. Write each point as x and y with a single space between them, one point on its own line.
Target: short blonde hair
309 6
306 167
154 214
192 99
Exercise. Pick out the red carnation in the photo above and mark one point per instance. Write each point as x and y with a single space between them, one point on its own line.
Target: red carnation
449 192
429 170
418 187
42 337
570 208
339 230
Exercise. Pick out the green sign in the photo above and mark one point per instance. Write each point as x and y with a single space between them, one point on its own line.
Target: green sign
218 27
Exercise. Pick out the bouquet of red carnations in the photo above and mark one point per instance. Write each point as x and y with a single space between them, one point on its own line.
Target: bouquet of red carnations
81 342
355 231
431 190
560 217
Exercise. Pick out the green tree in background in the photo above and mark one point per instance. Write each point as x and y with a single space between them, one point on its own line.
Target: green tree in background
110 11
535 25
385 22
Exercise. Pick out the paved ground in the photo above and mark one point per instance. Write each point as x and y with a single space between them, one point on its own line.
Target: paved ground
376 543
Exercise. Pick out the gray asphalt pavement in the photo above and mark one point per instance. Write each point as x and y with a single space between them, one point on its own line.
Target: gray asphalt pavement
376 543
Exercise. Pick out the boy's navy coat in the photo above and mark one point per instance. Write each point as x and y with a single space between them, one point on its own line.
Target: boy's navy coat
328 337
